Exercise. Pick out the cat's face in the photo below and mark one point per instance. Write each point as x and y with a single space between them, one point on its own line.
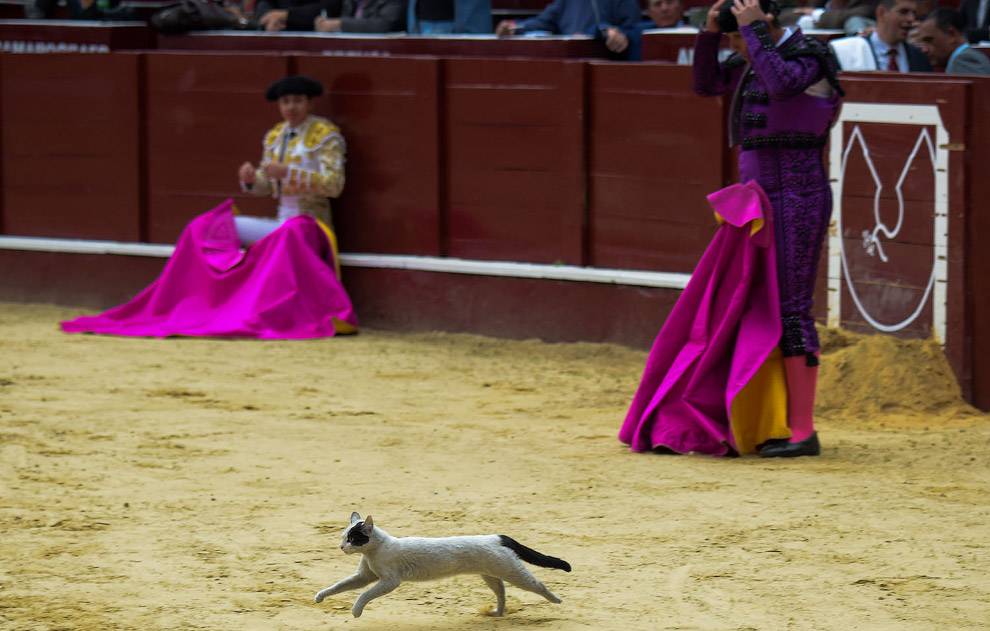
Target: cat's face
357 534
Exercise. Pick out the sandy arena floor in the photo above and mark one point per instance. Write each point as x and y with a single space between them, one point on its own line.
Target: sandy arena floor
203 484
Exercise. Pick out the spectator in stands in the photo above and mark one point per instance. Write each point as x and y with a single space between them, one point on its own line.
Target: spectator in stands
80 10
886 47
287 15
976 15
663 14
365 16
331 16
895 19
442 17
941 37
852 16
614 21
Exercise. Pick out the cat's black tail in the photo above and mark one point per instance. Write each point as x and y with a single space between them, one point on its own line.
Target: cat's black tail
530 555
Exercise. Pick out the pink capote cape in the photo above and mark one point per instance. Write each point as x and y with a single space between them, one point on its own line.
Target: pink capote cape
282 287
720 334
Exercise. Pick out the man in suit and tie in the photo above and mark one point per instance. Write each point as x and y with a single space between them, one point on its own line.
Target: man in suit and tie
940 36
885 48
888 41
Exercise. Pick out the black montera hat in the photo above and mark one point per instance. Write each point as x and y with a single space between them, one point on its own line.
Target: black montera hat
296 84
727 20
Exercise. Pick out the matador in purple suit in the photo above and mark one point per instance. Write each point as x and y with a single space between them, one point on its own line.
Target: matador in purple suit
785 95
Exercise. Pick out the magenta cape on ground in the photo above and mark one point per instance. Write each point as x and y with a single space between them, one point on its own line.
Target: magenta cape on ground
722 329
282 287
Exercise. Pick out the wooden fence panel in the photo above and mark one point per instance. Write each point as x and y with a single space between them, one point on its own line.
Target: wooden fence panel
387 111
70 147
514 159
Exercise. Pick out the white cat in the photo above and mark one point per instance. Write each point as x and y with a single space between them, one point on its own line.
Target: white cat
391 560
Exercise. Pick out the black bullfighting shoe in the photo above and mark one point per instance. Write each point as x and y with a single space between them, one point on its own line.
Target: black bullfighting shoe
807 447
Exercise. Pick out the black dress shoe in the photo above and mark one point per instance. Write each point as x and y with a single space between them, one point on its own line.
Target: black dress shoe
807 447
770 442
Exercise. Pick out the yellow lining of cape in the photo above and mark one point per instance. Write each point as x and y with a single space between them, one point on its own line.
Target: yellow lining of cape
755 225
338 325
759 411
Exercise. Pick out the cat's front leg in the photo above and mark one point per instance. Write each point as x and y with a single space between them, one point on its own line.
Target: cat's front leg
380 588
359 579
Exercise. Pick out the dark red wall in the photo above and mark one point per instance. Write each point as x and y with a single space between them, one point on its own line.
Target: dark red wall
70 152
513 152
654 152
388 115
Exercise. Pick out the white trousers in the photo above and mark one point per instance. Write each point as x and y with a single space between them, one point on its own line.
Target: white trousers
253 229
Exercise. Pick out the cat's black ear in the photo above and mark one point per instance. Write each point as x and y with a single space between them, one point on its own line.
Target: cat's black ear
355 518
368 526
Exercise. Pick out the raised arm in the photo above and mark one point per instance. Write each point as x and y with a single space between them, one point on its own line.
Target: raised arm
784 78
710 77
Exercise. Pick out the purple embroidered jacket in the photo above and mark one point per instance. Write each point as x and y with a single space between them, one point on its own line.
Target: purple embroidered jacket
781 130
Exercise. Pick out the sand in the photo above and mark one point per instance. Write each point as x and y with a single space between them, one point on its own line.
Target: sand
203 484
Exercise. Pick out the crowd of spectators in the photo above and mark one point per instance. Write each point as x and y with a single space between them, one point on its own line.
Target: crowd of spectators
886 35
909 36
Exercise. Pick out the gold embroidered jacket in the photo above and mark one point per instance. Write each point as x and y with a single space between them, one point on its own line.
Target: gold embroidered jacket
314 152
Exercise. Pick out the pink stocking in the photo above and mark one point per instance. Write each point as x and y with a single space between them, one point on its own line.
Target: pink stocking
801 382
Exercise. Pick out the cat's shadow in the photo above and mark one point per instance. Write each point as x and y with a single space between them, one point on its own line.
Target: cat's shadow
466 620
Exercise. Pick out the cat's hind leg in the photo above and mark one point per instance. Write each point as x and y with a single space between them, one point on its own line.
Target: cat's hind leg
497 586
523 579
359 579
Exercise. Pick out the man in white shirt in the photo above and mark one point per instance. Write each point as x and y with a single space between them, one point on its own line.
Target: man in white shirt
887 45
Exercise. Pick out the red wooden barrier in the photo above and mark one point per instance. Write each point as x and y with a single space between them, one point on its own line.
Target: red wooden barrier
513 308
655 152
975 339
71 153
901 269
387 45
388 115
513 150
83 36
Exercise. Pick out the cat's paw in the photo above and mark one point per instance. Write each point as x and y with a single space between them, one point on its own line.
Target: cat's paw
318 598
357 611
